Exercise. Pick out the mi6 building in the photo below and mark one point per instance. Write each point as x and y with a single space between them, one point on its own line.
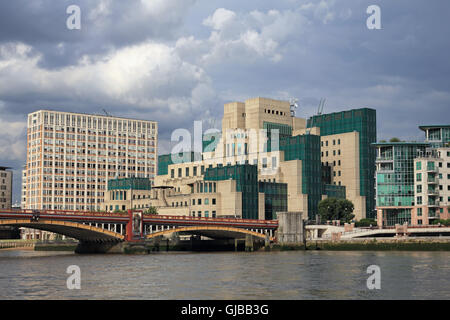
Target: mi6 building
264 160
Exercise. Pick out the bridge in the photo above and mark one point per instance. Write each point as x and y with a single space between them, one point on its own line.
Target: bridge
99 232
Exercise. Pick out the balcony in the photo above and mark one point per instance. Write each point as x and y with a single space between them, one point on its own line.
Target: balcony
433 203
385 159
432 192
432 169
433 180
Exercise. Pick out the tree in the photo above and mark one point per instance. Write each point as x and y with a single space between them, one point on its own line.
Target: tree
394 140
336 209
151 210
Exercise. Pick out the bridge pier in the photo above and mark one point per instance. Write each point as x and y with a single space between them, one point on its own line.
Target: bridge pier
249 243
291 228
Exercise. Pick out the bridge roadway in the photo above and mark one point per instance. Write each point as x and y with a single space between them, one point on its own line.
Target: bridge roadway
99 226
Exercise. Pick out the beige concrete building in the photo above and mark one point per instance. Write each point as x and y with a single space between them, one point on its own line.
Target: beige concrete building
5 188
341 153
431 187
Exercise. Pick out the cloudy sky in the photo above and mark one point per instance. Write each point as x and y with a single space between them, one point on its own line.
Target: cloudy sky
176 61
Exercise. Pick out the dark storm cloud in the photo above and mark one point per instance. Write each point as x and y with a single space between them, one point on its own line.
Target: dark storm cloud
105 25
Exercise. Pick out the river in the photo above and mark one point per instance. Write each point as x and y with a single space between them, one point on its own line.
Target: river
226 275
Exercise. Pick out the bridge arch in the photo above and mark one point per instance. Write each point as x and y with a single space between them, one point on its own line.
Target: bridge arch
217 232
74 230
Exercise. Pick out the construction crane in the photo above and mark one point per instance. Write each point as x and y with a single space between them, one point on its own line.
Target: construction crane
107 114
320 108
319 112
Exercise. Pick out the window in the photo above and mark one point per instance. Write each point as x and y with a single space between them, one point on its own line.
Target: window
199 202
419 212
213 200
418 165
419 177
179 172
206 201
440 164
419 200
206 214
199 213
339 141
334 142
172 173
193 202
326 143
187 172
419 188
419 222
213 214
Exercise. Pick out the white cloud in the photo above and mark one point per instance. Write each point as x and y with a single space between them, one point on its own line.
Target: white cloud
220 19
12 140
242 37
138 75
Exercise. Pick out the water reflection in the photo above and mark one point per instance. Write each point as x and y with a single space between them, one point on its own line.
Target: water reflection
252 276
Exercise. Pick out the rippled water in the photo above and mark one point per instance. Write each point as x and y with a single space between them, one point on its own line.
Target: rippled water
230 275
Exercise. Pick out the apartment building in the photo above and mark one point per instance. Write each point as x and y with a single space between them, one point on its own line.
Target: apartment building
413 179
71 156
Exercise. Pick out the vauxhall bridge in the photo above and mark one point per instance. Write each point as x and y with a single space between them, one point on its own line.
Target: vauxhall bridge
99 231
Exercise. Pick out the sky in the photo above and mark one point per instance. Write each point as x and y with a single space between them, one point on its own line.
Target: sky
178 61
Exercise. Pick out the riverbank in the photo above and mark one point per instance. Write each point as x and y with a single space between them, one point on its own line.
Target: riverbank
371 244
362 244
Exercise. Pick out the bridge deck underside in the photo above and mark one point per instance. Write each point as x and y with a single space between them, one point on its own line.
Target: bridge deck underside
76 231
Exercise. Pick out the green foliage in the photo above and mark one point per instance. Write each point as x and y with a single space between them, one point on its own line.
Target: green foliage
383 141
394 140
151 210
442 222
366 223
336 209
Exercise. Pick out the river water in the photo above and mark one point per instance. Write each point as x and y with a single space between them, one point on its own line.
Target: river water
226 275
